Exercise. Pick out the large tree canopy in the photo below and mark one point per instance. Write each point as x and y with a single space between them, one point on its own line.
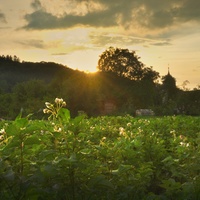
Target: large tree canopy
125 63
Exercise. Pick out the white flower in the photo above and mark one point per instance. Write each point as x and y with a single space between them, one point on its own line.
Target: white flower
57 100
104 138
92 128
60 101
45 110
64 103
48 105
184 144
1 137
140 129
57 129
2 131
129 124
121 131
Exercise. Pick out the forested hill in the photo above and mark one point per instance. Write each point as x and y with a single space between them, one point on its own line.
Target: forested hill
12 71
27 85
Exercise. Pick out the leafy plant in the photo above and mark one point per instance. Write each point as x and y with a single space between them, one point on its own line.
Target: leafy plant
105 157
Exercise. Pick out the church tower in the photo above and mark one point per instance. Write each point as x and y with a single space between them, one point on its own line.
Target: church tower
169 85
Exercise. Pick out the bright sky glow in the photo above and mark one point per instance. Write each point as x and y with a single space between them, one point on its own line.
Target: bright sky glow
75 32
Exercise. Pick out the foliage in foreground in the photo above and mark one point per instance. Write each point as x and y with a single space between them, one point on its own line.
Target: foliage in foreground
99 158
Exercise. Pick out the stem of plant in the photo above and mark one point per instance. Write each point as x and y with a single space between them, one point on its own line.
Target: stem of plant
21 158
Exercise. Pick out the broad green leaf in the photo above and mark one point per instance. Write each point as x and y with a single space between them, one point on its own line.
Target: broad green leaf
73 158
125 168
64 114
32 140
85 151
122 169
101 182
138 143
13 143
21 122
9 176
60 159
115 171
19 116
171 184
12 130
167 159
37 126
47 153
78 119
49 170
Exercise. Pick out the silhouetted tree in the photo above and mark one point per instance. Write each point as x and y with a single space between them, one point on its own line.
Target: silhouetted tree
189 102
122 62
125 63
150 74
30 96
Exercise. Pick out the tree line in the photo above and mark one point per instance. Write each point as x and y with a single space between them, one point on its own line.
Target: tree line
122 81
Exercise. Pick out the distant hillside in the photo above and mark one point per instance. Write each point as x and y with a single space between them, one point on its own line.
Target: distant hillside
12 71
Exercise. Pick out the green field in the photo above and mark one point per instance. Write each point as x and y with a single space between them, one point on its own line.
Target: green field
107 157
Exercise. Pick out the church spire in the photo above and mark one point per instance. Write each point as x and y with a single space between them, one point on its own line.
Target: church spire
168 70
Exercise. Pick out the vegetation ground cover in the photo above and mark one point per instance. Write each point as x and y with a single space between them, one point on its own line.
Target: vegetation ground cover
106 157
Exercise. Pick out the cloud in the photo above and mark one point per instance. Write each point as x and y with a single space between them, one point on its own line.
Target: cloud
70 49
43 20
2 18
107 39
131 15
59 54
164 43
36 4
190 11
196 69
33 43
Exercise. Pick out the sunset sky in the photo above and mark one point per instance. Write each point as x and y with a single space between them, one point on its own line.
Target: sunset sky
164 33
